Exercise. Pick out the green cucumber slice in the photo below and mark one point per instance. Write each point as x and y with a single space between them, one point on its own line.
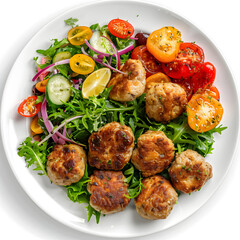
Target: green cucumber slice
58 90
61 56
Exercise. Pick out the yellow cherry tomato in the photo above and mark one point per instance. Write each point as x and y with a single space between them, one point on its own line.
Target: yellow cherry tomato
81 64
164 44
35 127
77 35
204 112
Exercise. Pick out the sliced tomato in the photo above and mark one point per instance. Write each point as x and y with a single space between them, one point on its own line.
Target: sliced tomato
188 61
77 35
120 28
148 61
212 92
164 44
28 108
41 86
81 64
35 127
205 77
204 112
186 85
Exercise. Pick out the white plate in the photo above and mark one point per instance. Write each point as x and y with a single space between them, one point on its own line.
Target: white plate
53 199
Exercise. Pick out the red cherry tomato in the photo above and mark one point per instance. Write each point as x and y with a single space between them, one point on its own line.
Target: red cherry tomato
188 61
120 28
205 77
151 65
28 108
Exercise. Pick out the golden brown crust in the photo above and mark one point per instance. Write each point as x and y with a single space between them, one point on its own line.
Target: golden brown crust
165 101
66 164
189 171
156 199
111 147
131 84
154 153
108 191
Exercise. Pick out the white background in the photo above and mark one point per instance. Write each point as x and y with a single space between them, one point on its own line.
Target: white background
20 218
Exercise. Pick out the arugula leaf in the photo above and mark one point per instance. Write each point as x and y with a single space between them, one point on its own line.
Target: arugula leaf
71 21
50 52
34 154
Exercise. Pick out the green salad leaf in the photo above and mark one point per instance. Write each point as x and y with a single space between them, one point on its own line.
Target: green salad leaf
34 155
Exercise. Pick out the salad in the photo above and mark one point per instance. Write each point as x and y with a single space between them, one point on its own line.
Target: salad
119 115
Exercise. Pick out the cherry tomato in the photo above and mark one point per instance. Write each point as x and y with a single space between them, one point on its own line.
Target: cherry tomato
164 44
188 61
28 108
77 35
81 64
35 127
212 92
120 28
205 77
204 112
41 86
150 64
186 85
141 38
157 78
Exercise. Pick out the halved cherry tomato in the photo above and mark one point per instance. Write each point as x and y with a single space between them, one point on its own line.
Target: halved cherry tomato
41 86
77 35
28 108
81 64
212 92
188 61
164 44
149 62
157 78
35 127
186 85
204 112
120 28
205 77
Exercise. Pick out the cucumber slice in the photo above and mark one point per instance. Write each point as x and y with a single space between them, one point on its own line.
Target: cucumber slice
61 56
58 90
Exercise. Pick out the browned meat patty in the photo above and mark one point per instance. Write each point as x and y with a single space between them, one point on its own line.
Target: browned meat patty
156 199
108 191
153 154
189 171
131 84
165 101
66 164
110 148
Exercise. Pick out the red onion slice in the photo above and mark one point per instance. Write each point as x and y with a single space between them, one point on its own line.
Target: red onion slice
65 61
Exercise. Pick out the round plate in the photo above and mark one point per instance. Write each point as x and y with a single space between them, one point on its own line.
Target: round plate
53 199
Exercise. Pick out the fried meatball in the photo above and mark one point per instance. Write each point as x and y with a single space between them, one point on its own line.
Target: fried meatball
66 164
165 101
131 84
153 154
110 148
108 191
189 171
156 199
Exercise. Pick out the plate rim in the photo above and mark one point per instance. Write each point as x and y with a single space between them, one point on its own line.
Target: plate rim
79 6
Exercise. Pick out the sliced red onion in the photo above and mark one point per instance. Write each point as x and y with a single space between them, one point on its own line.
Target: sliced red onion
47 122
52 133
65 61
84 52
95 50
133 38
118 62
125 50
109 66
